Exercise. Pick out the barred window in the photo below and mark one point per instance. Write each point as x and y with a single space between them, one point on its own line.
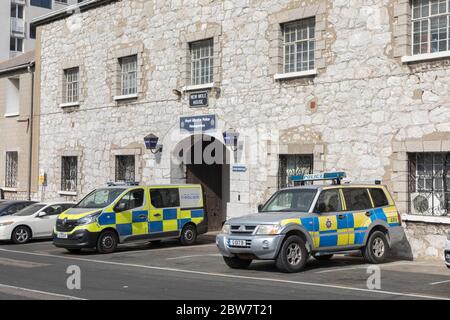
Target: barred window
69 168
128 67
291 165
125 168
429 183
71 85
202 62
12 159
299 45
430 25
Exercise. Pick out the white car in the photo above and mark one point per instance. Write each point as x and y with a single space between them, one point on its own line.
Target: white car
33 222
447 251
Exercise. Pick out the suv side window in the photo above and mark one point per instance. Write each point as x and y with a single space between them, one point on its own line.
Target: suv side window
133 199
379 197
357 199
165 197
329 201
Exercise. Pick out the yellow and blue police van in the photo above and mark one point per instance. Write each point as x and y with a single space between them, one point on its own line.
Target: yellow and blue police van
314 220
119 213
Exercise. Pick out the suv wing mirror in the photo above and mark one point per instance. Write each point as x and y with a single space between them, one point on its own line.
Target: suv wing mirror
260 207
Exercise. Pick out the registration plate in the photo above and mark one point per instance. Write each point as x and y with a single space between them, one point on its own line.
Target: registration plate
62 235
237 243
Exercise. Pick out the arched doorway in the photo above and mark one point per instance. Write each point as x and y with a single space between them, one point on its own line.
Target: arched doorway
205 161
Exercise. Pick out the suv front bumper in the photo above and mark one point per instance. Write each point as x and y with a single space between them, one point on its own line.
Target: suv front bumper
261 247
78 240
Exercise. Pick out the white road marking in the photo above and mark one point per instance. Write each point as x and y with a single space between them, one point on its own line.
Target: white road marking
364 266
30 293
223 275
196 256
160 249
21 263
439 282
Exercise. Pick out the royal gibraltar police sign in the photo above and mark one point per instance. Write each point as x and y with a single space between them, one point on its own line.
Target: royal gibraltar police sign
206 123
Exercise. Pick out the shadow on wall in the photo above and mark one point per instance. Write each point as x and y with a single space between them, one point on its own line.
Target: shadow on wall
402 250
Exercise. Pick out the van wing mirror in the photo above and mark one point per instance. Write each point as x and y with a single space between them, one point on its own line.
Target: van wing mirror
260 207
121 206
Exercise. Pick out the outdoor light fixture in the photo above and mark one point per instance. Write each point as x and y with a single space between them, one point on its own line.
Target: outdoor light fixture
230 138
151 143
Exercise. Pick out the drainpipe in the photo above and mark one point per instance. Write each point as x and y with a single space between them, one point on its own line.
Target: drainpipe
30 156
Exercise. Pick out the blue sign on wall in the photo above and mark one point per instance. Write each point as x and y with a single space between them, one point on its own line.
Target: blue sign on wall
198 123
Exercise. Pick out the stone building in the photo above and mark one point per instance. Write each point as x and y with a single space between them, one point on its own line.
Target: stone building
19 128
304 85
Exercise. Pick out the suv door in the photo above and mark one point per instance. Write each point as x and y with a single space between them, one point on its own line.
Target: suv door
164 211
131 214
333 222
357 201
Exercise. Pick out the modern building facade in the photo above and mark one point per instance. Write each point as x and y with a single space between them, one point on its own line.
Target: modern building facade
17 35
19 127
269 89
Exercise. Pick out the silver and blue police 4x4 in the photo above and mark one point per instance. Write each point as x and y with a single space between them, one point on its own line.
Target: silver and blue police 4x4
314 220
447 251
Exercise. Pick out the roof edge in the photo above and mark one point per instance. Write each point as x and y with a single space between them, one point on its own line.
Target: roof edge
70 10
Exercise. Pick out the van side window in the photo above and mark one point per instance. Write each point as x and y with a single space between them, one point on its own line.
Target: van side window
133 199
329 201
165 197
357 199
378 197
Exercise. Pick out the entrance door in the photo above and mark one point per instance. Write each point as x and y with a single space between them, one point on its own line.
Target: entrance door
210 177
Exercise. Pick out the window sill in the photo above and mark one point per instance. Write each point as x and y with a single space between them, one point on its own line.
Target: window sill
69 104
292 75
67 193
425 57
125 97
11 115
6 189
198 87
426 219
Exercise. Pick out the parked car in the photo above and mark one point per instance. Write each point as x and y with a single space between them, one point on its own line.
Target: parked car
447 251
314 220
124 213
33 222
9 207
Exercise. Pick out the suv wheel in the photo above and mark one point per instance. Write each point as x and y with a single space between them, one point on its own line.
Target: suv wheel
21 235
293 255
377 248
107 242
236 263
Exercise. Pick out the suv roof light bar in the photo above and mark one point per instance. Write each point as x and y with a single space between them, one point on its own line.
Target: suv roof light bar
118 184
336 177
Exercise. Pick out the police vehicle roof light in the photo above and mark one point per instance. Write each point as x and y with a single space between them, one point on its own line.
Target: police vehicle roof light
118 184
335 176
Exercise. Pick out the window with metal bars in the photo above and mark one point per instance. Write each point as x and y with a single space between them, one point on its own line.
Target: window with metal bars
202 62
69 169
128 67
299 45
71 85
125 168
430 26
12 163
429 183
290 165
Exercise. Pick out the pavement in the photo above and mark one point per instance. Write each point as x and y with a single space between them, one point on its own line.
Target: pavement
167 270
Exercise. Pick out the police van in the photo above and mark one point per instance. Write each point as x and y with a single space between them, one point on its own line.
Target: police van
123 213
314 220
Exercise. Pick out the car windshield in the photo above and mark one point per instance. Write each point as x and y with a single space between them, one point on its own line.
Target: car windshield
30 210
100 198
290 200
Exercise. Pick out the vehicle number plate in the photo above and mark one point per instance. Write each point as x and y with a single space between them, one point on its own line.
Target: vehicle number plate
62 235
237 243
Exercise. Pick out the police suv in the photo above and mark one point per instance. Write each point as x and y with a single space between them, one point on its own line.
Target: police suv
314 220
447 251
123 213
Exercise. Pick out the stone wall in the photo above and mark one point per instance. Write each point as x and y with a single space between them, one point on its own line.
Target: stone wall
365 98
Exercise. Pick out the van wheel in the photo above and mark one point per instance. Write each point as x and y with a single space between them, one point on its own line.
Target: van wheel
292 256
236 263
377 248
21 235
107 242
188 235
325 257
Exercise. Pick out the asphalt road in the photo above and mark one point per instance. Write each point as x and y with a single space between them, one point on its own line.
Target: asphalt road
169 271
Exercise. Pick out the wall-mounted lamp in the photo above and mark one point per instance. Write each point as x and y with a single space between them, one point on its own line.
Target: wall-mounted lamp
151 143
177 93
231 137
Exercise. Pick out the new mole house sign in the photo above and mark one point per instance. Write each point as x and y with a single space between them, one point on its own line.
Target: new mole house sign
198 99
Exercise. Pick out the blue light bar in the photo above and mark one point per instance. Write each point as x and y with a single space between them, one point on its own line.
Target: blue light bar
318 176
